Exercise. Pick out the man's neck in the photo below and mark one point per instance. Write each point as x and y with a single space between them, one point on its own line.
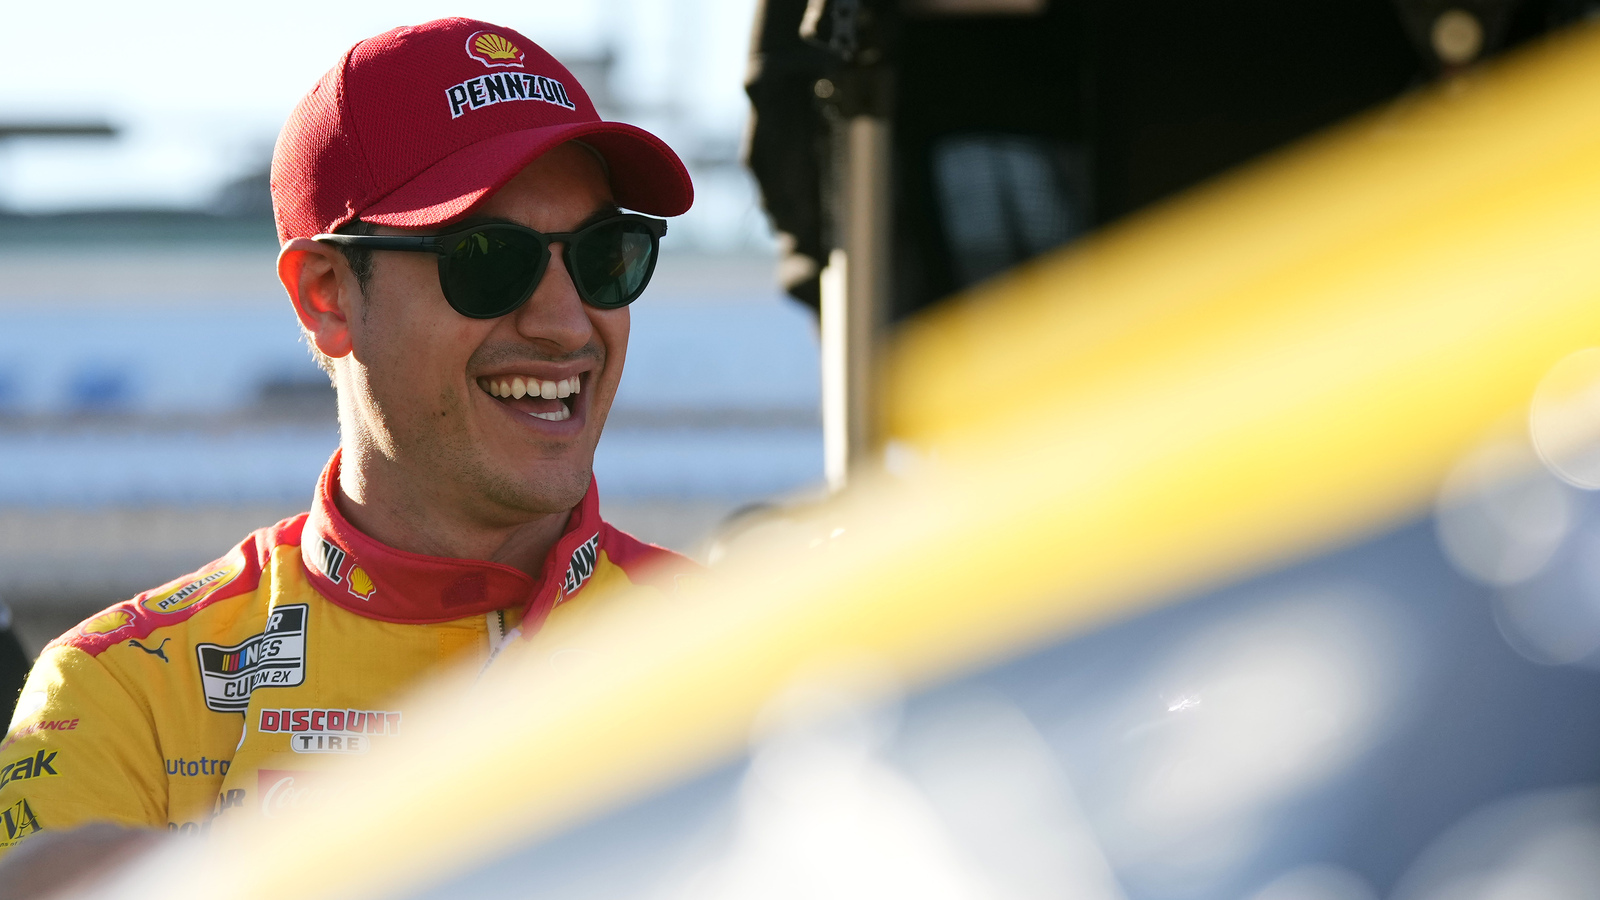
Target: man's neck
393 511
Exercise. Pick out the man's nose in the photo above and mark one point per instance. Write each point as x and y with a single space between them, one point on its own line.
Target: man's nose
555 314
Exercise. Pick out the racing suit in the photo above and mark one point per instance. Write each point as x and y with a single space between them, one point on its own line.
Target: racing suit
204 695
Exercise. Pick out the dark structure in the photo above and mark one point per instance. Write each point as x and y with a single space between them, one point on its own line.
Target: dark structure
14 664
1020 124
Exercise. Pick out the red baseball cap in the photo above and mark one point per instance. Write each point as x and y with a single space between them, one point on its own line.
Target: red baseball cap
415 126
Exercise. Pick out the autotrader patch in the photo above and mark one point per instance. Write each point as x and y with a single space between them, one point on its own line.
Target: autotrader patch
274 658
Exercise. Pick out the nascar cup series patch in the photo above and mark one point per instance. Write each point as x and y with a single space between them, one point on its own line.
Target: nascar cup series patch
274 658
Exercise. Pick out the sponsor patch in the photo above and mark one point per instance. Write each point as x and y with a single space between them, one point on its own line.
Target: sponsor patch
328 558
361 583
38 765
52 725
581 566
190 592
19 821
229 799
494 50
505 87
107 622
274 658
329 730
159 650
283 790
193 768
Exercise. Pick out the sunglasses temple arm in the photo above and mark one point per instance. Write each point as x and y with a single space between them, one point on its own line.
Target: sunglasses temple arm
429 244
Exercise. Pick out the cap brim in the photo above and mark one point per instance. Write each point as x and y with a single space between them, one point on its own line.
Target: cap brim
645 174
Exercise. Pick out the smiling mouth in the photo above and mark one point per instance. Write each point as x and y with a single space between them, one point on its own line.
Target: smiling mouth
548 400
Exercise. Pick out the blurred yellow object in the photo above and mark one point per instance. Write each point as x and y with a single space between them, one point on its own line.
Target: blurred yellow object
1287 358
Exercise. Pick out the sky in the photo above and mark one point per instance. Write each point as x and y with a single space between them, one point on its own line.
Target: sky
198 90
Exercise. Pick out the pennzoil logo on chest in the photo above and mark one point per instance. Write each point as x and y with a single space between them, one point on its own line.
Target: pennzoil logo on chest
274 658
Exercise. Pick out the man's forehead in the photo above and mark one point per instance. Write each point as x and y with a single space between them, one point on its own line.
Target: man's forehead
567 174
603 211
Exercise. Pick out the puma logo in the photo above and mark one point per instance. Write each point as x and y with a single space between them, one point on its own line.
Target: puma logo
158 651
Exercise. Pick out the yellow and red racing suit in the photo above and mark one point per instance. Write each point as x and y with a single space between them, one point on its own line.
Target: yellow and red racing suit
203 696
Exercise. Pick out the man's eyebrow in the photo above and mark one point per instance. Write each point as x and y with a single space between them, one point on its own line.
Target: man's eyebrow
604 212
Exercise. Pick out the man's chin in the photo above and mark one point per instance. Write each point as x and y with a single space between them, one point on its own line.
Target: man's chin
541 491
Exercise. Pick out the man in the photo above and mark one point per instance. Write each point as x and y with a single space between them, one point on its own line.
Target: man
448 204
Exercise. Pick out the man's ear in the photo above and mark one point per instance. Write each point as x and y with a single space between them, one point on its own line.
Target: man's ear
313 274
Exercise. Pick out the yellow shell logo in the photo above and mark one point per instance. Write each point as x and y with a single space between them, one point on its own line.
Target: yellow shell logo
105 623
494 49
361 583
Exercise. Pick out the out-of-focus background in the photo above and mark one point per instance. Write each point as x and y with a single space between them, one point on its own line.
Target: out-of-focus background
156 399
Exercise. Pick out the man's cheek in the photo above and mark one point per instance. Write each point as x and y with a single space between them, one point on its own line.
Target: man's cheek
616 340
449 407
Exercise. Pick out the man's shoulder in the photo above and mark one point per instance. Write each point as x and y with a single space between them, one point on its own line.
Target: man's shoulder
236 576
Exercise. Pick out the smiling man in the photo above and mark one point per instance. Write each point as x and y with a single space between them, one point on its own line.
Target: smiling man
453 242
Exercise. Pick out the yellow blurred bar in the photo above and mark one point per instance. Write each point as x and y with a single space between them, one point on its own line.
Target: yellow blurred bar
1389 196
1291 357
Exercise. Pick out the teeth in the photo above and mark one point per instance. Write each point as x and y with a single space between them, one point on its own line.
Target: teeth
518 387
559 415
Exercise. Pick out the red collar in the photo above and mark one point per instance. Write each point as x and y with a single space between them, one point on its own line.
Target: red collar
379 582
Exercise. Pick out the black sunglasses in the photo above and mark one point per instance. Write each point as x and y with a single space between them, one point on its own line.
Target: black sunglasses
489 270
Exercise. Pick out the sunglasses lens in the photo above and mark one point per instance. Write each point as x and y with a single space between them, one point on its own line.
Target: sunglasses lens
491 271
612 262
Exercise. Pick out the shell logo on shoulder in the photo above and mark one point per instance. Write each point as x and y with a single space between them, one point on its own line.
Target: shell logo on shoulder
186 594
494 50
107 622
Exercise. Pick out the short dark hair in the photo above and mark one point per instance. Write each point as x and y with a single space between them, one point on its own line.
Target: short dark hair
359 258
